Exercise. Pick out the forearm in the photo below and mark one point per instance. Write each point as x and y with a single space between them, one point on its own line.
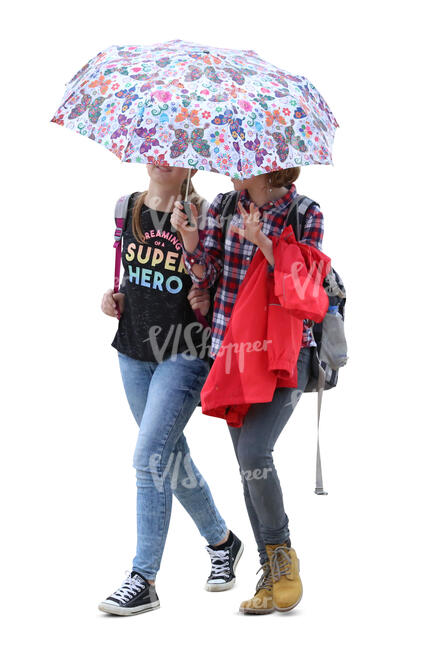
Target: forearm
190 240
265 245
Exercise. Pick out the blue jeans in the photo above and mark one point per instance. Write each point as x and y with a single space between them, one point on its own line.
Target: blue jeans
162 397
254 443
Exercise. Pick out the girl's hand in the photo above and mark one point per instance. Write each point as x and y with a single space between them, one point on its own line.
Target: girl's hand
199 299
113 303
179 220
251 226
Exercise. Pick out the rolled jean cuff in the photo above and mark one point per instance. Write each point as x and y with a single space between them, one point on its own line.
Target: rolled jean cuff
145 574
217 539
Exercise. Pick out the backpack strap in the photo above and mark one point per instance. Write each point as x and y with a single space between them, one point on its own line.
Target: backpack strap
296 214
320 388
228 209
296 218
120 213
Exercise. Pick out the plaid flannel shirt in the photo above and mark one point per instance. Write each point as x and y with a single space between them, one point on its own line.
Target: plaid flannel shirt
227 263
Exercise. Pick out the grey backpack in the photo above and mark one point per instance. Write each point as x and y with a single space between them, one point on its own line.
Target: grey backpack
330 352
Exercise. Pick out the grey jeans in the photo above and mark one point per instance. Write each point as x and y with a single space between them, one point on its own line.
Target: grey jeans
254 443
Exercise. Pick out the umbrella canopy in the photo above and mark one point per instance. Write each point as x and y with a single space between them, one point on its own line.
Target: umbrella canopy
188 105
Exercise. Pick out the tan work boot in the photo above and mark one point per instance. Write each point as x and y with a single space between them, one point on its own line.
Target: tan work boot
262 602
287 585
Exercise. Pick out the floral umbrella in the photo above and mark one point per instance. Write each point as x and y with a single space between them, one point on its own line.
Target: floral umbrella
188 105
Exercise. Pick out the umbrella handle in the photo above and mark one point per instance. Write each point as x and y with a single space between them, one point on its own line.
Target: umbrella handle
188 179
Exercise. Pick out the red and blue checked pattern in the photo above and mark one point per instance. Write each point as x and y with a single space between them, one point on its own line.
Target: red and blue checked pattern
227 263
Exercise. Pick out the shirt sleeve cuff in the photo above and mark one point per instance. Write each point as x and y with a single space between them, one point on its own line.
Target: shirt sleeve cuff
195 257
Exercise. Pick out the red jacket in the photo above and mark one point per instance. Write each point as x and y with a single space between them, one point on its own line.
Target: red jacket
264 334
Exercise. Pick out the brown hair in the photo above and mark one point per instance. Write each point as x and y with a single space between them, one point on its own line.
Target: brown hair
193 196
283 177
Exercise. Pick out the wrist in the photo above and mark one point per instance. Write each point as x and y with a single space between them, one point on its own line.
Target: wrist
190 241
262 239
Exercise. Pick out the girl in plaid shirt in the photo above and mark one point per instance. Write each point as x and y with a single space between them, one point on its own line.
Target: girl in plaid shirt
263 205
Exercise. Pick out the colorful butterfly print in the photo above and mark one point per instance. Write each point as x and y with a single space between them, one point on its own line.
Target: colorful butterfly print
148 85
237 148
293 78
118 151
123 70
93 107
235 124
299 113
129 151
278 77
290 138
239 76
102 82
194 73
263 100
219 97
282 145
185 114
282 92
306 93
127 54
122 130
128 96
58 118
149 138
274 117
176 83
160 161
198 143
255 146
212 75
209 60
318 123
144 76
295 140
163 62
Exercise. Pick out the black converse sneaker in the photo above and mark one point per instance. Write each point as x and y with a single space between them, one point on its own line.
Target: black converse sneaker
224 559
134 596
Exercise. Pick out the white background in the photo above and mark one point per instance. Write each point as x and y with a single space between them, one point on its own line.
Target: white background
67 482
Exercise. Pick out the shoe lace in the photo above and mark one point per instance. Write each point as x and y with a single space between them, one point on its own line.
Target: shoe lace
220 562
281 562
265 580
129 588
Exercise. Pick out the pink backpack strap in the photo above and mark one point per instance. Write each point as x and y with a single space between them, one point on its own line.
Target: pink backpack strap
120 213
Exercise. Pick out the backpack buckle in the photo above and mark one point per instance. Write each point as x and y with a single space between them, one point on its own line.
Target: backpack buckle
118 234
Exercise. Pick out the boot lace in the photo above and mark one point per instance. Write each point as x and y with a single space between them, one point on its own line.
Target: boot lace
220 562
130 587
265 580
281 562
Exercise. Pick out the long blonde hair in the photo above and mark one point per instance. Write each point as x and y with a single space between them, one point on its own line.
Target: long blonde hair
193 196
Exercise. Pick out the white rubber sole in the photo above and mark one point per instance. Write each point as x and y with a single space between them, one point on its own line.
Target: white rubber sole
111 608
226 585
